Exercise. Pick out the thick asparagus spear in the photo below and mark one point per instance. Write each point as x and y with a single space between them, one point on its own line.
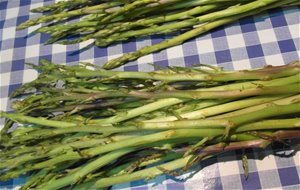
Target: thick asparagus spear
182 162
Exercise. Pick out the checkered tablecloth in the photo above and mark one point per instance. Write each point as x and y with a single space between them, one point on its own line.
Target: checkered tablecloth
268 38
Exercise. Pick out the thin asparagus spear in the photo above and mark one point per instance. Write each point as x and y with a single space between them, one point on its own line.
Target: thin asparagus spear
267 73
167 28
192 3
129 7
61 5
183 37
120 27
186 94
66 15
191 94
38 121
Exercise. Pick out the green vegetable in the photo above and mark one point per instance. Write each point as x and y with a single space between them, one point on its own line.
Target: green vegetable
112 22
103 127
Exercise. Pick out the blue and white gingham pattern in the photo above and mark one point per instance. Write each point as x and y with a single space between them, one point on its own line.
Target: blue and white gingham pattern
269 38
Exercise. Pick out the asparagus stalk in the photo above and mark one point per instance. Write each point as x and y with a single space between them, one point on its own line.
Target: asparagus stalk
44 175
182 162
80 150
147 139
162 103
231 106
129 7
65 15
289 89
167 28
61 5
38 121
56 153
122 169
183 37
270 124
116 30
50 151
272 111
267 73
228 123
282 101
78 175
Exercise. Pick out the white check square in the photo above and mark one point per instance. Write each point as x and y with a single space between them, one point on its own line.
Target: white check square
235 41
267 36
205 46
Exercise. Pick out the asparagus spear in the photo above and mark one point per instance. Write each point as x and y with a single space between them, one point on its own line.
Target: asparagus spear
182 162
61 5
82 149
183 37
86 169
266 73
66 15
249 105
167 28
117 29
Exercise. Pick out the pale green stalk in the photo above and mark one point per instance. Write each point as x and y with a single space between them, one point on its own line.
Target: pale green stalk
223 108
281 101
86 169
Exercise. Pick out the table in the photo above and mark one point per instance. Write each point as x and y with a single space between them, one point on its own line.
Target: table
268 38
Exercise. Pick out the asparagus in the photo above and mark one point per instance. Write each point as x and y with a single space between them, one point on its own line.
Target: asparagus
39 121
236 106
68 127
127 8
266 73
65 15
270 124
289 89
110 22
86 169
231 11
183 37
201 2
61 5
115 30
179 163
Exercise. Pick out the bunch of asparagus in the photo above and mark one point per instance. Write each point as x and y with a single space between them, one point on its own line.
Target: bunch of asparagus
109 22
84 127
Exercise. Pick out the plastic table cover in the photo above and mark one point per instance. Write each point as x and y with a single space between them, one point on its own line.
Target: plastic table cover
268 38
